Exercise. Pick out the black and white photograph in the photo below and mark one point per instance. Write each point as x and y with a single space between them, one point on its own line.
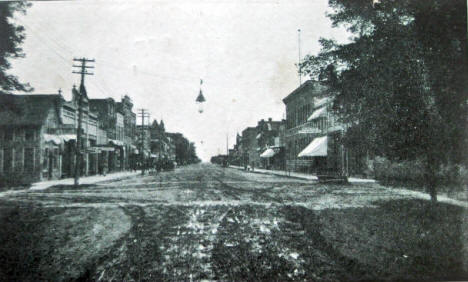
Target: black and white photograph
233 140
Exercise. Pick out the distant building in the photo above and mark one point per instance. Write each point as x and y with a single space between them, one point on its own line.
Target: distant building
129 125
111 120
159 143
90 134
270 140
249 149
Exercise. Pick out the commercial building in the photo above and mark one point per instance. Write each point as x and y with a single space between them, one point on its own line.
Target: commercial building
314 137
111 120
270 140
30 138
38 136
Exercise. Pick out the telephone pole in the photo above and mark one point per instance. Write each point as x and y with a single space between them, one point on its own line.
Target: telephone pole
143 113
299 61
82 70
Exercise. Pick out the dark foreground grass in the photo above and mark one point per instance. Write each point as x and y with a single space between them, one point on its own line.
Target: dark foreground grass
402 239
395 240
20 232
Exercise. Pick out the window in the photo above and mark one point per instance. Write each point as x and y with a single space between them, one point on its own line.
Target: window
19 134
7 159
8 134
29 159
55 158
45 158
29 134
18 159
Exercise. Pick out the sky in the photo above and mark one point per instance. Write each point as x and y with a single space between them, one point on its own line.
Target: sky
156 51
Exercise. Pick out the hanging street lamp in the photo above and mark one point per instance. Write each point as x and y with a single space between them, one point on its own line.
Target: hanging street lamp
200 99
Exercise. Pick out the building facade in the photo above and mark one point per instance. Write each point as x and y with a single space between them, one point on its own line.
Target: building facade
38 136
29 146
125 106
314 137
270 140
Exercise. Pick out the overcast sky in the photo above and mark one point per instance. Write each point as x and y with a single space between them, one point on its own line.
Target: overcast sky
157 51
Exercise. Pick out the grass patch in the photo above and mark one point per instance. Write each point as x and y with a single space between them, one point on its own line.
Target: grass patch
402 239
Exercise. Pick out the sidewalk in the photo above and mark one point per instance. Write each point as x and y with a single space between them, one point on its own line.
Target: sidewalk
443 198
83 180
300 175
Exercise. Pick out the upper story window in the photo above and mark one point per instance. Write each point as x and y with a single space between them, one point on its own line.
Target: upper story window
19 134
9 134
29 135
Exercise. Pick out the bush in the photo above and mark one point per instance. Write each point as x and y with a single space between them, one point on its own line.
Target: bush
412 172
407 171
15 179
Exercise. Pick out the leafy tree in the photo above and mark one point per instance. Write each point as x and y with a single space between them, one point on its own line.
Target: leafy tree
401 81
12 35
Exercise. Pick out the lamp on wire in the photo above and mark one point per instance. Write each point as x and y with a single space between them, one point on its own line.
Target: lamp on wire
200 99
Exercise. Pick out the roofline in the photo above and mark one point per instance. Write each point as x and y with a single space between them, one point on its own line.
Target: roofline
308 83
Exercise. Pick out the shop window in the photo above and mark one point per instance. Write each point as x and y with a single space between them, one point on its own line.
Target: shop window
7 159
45 158
29 134
19 159
55 158
8 134
29 159
19 134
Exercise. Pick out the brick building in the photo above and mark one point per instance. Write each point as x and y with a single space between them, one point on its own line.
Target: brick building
125 106
111 120
249 150
270 140
314 137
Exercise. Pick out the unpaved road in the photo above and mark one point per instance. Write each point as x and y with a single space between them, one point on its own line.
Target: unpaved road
205 222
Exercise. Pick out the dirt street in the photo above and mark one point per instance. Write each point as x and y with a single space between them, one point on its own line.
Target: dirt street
206 222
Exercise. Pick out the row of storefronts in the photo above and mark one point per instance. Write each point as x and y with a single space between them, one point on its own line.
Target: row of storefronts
309 140
38 137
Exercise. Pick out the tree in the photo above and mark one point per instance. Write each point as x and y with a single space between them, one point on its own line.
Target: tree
401 81
12 35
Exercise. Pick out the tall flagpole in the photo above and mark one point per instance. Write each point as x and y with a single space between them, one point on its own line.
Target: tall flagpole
299 59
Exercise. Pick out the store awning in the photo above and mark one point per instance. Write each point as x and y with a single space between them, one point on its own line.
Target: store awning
321 101
107 149
318 113
116 142
268 153
93 150
53 138
310 130
68 137
316 148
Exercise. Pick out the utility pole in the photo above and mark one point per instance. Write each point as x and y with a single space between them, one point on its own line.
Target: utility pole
143 113
299 61
82 91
